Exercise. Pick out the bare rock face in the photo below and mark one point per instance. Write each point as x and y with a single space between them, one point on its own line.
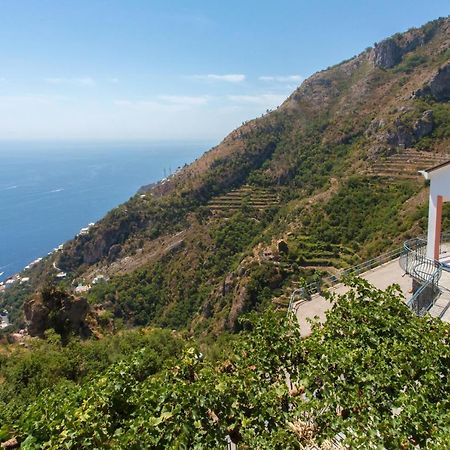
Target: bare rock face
54 308
228 283
11 443
438 87
375 126
387 54
238 306
100 246
424 126
114 252
36 315
401 136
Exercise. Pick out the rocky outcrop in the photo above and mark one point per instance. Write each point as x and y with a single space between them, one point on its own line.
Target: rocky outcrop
386 54
374 127
424 126
389 53
55 308
103 244
11 443
229 283
399 134
238 305
114 252
438 87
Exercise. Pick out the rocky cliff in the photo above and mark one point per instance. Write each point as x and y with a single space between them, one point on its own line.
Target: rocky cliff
53 308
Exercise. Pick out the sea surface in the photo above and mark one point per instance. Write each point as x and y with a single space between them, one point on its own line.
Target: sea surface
48 191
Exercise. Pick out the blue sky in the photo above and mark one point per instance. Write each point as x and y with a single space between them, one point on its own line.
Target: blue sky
141 69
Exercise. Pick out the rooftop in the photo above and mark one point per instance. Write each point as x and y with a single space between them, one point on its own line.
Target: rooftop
436 167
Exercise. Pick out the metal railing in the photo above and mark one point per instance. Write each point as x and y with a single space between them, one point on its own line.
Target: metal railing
305 292
414 252
445 239
425 295
425 273
413 259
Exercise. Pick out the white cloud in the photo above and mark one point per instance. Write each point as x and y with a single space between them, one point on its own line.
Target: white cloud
229 78
81 81
268 100
282 78
185 99
172 103
141 104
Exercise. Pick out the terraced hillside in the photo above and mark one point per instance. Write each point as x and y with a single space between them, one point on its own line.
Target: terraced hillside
251 197
406 163
203 247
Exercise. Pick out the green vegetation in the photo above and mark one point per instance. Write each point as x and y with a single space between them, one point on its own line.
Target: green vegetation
13 299
363 211
301 176
26 372
145 217
137 297
441 114
232 171
374 372
231 239
308 251
142 297
441 121
409 63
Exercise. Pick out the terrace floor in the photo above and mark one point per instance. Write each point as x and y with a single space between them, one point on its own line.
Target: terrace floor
381 277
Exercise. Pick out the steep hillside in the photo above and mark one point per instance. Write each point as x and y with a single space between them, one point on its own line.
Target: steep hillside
326 180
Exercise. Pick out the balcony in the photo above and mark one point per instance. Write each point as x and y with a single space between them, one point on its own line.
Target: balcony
424 283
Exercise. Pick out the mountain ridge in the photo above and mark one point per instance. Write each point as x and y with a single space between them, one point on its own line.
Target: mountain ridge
326 154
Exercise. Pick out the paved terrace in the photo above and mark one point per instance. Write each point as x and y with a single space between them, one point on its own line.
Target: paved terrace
381 277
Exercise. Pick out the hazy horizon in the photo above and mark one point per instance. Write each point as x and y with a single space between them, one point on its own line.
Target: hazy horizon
110 70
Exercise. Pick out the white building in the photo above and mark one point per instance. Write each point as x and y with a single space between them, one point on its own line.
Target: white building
99 278
4 319
80 289
439 177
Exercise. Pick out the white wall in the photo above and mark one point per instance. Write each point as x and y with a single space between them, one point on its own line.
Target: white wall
439 185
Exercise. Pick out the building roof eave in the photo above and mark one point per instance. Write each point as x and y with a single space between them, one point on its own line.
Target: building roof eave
434 168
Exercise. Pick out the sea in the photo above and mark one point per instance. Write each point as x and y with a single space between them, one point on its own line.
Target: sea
50 190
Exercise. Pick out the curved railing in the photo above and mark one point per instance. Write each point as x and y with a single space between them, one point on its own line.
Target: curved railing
413 259
426 295
425 273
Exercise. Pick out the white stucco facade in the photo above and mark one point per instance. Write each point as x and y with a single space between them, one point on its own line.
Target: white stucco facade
439 177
